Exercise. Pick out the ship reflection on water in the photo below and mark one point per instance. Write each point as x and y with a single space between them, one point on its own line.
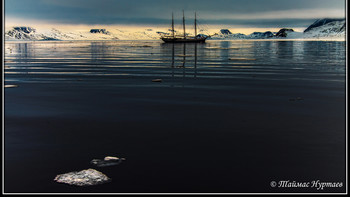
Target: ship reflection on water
183 58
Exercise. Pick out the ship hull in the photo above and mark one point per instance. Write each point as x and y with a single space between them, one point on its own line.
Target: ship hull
183 40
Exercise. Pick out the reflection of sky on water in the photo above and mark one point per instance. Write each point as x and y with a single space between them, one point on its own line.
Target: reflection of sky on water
52 61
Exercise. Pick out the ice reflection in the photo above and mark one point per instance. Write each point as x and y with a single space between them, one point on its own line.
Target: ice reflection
324 52
21 50
224 54
285 50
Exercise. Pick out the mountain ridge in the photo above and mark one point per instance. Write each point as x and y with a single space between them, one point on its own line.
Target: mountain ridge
321 28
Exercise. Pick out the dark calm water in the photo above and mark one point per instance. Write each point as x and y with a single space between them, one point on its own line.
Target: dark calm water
228 116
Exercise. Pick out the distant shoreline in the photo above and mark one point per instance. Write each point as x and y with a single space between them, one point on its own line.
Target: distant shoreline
153 40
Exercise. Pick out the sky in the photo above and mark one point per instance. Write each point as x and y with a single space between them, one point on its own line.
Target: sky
237 13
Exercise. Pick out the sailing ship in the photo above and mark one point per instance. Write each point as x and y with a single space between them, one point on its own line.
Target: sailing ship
181 39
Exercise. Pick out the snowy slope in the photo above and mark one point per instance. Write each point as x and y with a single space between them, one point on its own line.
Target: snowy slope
335 29
321 29
321 22
239 36
220 36
23 33
54 34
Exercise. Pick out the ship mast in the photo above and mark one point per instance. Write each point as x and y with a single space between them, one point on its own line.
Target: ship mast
183 21
172 25
195 24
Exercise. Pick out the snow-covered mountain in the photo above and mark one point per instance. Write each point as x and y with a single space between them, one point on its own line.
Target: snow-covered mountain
226 34
223 36
239 36
322 22
261 35
320 29
324 28
29 33
22 33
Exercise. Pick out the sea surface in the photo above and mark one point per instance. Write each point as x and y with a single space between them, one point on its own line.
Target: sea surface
226 116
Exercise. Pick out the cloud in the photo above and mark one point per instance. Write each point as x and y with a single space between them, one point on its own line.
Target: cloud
159 11
282 14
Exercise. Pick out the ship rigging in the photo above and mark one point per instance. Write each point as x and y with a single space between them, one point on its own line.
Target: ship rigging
181 39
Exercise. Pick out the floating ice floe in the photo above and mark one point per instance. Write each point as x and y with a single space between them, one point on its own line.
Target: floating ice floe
11 86
242 59
87 177
107 161
157 80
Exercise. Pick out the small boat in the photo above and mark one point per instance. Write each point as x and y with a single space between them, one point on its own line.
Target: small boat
198 38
